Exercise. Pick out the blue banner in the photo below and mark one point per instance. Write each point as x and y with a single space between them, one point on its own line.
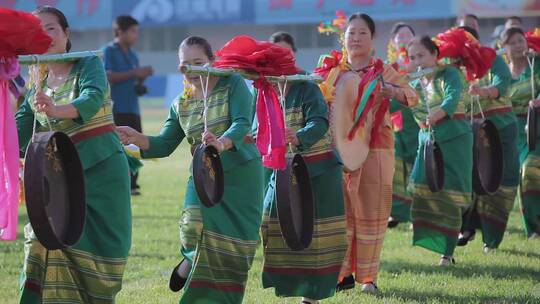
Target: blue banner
187 12
81 14
315 11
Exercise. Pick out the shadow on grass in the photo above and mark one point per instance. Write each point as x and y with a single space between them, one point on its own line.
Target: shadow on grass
521 253
462 271
411 295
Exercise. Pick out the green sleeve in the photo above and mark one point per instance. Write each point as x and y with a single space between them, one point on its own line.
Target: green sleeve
240 110
92 86
25 123
452 87
315 114
502 76
169 138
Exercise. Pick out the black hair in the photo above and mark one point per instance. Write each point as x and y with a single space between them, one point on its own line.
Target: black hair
509 33
62 20
462 17
367 19
400 25
283 37
426 42
516 18
471 31
123 23
201 43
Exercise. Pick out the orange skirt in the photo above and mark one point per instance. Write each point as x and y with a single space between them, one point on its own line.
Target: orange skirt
368 202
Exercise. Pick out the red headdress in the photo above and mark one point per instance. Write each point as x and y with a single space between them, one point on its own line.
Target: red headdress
456 43
265 59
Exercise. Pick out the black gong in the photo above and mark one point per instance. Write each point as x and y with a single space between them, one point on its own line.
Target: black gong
487 157
208 175
434 165
54 190
294 200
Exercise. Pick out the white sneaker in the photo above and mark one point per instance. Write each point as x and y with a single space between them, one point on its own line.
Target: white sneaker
488 249
369 288
308 301
446 261
534 236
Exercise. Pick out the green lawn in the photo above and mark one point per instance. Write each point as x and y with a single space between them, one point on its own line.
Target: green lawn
408 274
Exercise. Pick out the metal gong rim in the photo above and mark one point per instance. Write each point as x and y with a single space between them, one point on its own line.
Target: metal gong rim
208 175
434 166
294 202
487 157
55 190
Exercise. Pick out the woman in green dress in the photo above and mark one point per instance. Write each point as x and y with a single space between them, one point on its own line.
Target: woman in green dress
311 273
515 43
74 98
491 212
405 129
437 216
217 244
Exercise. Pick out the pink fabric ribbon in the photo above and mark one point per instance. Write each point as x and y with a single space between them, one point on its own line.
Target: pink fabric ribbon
270 135
9 154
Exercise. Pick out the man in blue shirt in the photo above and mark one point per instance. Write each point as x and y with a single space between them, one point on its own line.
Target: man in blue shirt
126 77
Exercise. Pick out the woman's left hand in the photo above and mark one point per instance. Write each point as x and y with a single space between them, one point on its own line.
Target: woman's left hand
208 137
431 119
535 103
388 91
290 137
218 144
44 104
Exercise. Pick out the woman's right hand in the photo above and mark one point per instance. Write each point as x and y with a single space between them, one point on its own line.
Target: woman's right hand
130 136
535 103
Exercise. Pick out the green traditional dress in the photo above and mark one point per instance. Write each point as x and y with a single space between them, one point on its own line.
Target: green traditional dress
312 272
529 188
92 270
437 216
490 212
219 242
405 147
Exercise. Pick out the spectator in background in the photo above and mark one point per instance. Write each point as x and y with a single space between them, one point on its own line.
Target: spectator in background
496 35
283 39
126 77
513 21
469 20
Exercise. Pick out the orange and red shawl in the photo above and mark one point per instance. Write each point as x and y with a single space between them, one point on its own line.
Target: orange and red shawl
20 34
459 44
331 68
533 39
265 59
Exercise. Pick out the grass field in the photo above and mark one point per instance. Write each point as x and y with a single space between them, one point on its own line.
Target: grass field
408 274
